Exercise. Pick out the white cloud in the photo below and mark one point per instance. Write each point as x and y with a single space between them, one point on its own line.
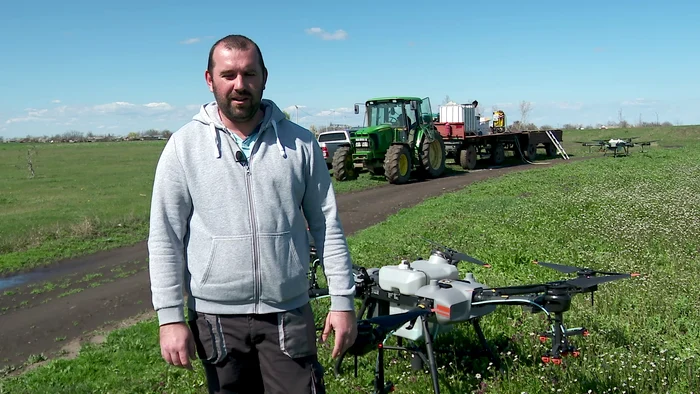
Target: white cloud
293 108
501 106
119 117
159 106
323 117
112 107
335 112
337 35
190 41
31 114
638 102
568 105
56 101
136 109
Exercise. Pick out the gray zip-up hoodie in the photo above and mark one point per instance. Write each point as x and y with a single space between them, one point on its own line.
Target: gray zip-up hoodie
232 234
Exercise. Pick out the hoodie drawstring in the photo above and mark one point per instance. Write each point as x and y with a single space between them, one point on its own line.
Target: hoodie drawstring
277 137
217 139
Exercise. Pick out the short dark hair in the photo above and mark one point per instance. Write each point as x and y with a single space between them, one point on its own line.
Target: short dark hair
235 41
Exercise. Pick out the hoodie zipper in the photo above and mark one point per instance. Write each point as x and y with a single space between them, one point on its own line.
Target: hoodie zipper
251 206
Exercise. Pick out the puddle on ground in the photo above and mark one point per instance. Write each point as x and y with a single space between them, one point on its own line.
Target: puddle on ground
18 280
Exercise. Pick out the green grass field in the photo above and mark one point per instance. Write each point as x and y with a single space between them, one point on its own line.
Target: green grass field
88 197
82 198
632 214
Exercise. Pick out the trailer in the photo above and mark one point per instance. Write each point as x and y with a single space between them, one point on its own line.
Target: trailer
469 138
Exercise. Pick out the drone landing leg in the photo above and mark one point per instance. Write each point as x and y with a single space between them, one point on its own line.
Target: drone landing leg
560 341
485 344
379 386
431 354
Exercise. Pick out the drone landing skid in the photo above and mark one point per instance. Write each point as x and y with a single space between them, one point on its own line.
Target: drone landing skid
380 387
421 357
560 340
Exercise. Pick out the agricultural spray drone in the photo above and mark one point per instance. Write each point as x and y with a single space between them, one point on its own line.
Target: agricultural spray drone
617 145
414 300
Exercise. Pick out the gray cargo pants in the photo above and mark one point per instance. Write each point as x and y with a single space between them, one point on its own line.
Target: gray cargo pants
269 353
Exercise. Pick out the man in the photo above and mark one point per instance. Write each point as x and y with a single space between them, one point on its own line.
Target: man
233 193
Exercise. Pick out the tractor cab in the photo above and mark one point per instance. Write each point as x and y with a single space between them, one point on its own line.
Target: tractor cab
398 137
403 114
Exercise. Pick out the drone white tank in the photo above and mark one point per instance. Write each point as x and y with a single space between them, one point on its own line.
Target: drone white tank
401 278
407 278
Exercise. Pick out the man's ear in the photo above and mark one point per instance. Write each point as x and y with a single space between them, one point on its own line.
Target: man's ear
264 78
208 79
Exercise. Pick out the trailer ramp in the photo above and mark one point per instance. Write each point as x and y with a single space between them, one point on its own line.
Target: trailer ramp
557 144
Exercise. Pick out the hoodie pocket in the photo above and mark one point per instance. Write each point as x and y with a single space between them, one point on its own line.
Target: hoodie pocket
229 272
283 276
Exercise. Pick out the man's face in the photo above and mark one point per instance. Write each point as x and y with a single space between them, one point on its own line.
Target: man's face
237 81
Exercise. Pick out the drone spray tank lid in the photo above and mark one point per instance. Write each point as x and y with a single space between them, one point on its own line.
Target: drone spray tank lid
405 265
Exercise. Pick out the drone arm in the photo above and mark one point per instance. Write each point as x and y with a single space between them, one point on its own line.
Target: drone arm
506 292
515 301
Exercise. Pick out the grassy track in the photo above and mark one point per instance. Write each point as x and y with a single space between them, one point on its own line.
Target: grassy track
636 214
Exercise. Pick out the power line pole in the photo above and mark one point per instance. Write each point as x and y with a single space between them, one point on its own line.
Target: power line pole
297 107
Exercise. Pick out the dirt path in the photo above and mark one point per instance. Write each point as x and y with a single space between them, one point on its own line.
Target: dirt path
100 290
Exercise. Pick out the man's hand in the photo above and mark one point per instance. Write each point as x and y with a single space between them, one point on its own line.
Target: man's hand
344 323
177 345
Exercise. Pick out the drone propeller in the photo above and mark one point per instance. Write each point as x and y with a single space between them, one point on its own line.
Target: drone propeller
588 282
457 256
582 272
576 285
587 278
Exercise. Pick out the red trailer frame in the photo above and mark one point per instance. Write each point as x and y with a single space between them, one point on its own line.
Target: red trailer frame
467 148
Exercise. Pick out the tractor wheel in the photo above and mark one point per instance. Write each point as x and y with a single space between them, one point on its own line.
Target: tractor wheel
498 154
397 164
531 151
467 158
550 149
457 155
433 156
343 167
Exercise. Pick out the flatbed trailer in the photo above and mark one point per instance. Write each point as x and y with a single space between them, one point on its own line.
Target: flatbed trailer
467 148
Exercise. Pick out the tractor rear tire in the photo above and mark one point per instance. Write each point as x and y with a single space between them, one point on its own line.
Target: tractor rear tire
467 157
397 164
343 167
433 156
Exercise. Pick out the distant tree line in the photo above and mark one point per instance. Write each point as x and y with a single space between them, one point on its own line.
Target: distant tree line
74 136
153 134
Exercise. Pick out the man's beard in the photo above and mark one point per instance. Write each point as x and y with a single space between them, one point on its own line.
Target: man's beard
241 112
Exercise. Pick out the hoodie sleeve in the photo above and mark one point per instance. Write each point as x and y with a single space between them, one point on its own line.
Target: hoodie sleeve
324 224
170 207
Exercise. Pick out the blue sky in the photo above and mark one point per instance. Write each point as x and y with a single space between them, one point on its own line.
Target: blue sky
130 66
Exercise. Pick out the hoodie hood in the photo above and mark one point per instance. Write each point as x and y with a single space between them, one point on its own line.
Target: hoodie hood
209 115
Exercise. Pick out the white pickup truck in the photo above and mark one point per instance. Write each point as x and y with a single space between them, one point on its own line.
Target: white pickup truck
331 140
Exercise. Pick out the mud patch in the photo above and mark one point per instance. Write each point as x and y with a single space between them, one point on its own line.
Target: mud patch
36 293
72 349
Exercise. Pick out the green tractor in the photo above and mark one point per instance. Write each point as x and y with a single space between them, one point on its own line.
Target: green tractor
398 142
